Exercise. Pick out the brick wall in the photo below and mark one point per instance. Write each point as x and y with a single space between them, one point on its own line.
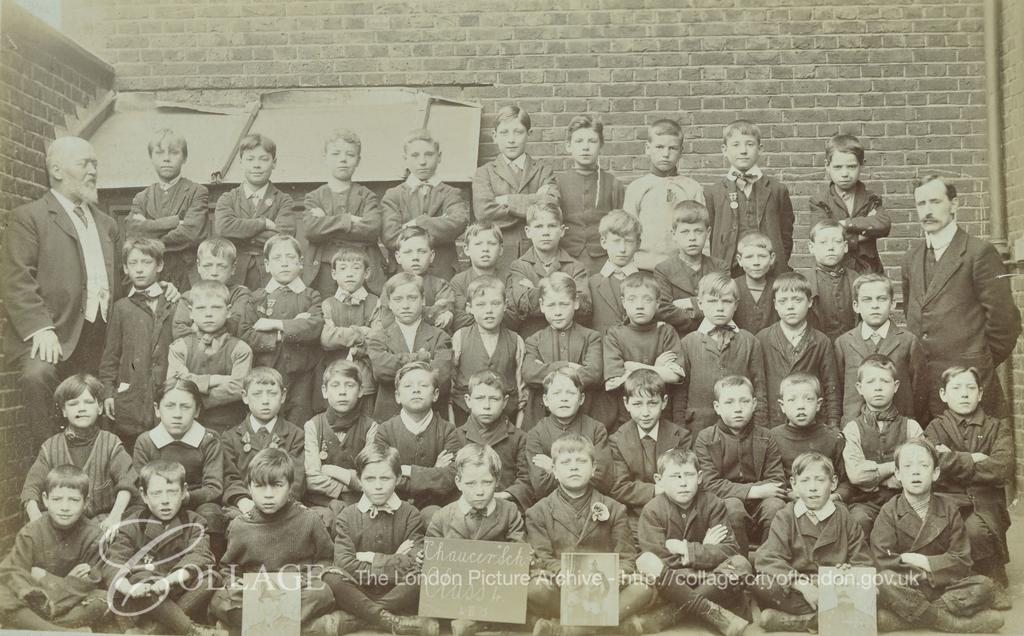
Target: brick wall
908 79
46 77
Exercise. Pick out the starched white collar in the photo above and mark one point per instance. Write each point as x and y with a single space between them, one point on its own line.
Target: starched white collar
192 437
296 286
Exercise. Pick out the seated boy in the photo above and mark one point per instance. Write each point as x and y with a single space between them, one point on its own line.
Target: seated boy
263 393
487 344
174 210
487 426
646 197
425 201
215 261
173 582
718 348
563 397
847 200
679 275
283 323
741 463
483 247
641 343
505 187
637 444
746 199
408 339
831 281
134 358
791 346
976 464
871 439
809 533
544 228
923 553
375 550
49 579
277 535
755 307
620 238
563 343
341 214
414 255
426 442
684 533
256 210
577 518
212 357
873 300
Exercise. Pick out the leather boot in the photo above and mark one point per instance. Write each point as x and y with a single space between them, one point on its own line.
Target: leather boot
889 621
655 621
776 621
409 625
984 622
718 617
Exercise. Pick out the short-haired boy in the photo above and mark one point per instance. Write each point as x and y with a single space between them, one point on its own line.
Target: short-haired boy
755 307
414 255
831 281
578 518
976 464
637 444
847 200
718 348
134 358
620 238
647 196
679 275
544 228
409 338
482 244
586 192
283 322
341 214
50 576
212 357
505 187
746 199
426 442
874 299
174 580
255 211
263 393
684 534
563 343
425 201
215 261
871 439
174 210
376 543
922 551
807 534
563 397
278 534
741 463
791 345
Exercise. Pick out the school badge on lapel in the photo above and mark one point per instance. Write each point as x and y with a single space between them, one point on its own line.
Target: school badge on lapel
733 203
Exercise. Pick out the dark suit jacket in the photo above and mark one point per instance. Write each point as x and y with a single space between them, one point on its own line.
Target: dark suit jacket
816 358
235 219
351 220
840 540
523 301
629 486
546 351
774 219
677 281
662 519
814 315
607 307
552 528
43 281
900 346
965 317
865 225
710 452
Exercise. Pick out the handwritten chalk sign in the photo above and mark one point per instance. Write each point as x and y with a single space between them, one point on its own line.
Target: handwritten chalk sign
271 605
474 580
590 589
846 601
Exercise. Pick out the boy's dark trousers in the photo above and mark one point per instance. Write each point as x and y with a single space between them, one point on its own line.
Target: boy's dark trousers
751 513
298 404
681 587
783 597
365 602
176 613
865 506
909 599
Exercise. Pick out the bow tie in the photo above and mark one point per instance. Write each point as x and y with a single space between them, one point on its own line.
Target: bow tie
208 339
744 179
149 293
478 514
376 510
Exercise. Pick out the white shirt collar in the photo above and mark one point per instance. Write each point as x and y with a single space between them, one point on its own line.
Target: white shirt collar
754 171
393 503
519 162
296 286
608 269
800 509
706 327
355 298
413 426
69 206
153 291
409 333
192 437
465 508
941 239
256 425
866 331
167 186
249 192
413 182
793 335
653 433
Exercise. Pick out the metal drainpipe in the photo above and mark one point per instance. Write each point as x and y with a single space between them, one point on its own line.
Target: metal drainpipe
994 137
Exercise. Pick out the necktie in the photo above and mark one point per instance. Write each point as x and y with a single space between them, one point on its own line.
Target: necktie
376 510
262 436
929 266
813 517
650 456
254 200
80 213
721 335
876 340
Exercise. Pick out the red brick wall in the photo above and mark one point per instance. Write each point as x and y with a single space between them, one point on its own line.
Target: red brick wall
45 78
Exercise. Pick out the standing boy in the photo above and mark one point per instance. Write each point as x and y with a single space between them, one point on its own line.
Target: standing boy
215 261
620 238
483 247
415 255
755 307
831 281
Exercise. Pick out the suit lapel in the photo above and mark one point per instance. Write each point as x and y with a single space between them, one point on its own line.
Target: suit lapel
933 526
762 195
605 291
890 343
530 168
829 534
950 262
668 438
564 517
504 172
759 446
632 450
60 217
